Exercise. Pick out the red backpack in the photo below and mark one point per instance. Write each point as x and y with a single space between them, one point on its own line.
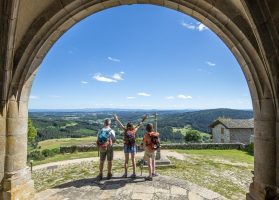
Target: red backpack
129 138
155 141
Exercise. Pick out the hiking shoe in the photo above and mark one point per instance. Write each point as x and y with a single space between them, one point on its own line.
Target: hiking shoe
124 176
155 174
133 175
148 178
99 177
109 176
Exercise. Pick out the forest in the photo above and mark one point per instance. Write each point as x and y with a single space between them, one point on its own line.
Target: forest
171 124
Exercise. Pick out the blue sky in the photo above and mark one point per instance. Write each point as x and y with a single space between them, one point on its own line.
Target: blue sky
139 56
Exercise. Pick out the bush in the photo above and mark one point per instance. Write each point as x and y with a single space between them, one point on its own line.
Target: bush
193 136
50 152
35 155
250 149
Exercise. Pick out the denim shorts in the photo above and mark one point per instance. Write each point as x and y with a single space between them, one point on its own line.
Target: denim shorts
132 149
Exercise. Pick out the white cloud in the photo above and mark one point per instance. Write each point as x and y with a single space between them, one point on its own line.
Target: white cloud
199 26
210 63
202 27
113 59
169 97
33 97
101 78
83 82
122 72
117 76
181 96
188 26
144 94
131 97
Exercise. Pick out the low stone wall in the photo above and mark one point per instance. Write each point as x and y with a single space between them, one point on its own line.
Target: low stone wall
204 146
86 148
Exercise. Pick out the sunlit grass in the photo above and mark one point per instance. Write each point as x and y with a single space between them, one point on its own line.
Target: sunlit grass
56 143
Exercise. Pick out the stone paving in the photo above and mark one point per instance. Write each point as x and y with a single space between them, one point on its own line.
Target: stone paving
161 188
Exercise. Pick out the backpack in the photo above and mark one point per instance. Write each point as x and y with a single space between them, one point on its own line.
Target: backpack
155 141
104 138
129 138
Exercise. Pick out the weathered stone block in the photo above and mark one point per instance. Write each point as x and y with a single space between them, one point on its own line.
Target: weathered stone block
15 162
265 151
16 144
171 5
111 3
16 126
263 109
128 2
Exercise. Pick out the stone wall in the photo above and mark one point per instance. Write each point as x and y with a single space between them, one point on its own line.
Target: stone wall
241 135
217 136
84 148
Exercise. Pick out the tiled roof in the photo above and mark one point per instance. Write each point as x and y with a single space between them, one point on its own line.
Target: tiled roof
234 123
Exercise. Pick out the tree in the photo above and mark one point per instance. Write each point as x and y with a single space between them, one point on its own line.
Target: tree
32 132
193 136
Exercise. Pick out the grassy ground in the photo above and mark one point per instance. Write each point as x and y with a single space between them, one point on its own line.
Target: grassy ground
56 143
67 156
227 172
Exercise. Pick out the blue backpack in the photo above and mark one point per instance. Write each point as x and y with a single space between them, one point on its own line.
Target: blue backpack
104 138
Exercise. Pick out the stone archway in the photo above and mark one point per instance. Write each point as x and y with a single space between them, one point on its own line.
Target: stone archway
30 27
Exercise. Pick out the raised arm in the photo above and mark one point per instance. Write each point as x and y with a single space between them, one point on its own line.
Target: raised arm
119 122
143 119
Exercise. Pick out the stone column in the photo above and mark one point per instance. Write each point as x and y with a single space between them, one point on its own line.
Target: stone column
2 143
265 150
17 183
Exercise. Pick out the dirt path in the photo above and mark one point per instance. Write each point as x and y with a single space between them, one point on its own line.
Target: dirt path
117 155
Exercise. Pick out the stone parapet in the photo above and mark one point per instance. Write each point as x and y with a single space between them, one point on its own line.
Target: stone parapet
85 148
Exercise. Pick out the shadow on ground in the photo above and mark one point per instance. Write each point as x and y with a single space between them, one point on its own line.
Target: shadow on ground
113 184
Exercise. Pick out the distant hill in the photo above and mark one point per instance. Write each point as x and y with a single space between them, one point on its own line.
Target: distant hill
200 120
52 124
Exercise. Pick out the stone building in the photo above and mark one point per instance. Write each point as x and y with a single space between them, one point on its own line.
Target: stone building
29 28
232 130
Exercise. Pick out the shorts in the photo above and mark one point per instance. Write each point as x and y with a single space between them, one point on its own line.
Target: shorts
132 149
108 152
148 155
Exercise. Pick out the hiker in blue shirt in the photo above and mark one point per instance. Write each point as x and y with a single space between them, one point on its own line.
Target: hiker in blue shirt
105 140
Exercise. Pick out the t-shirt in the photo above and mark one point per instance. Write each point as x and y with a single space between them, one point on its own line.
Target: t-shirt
111 133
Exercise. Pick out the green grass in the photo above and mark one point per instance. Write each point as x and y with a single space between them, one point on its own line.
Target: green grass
67 156
231 155
56 143
227 172
85 131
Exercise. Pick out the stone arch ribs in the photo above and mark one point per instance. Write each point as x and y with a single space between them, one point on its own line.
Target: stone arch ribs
237 22
63 14
265 27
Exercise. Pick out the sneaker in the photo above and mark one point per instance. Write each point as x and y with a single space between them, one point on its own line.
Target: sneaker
155 174
124 176
109 176
99 177
133 175
148 178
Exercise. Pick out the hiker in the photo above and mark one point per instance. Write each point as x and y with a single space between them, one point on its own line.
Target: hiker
151 142
130 144
105 140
